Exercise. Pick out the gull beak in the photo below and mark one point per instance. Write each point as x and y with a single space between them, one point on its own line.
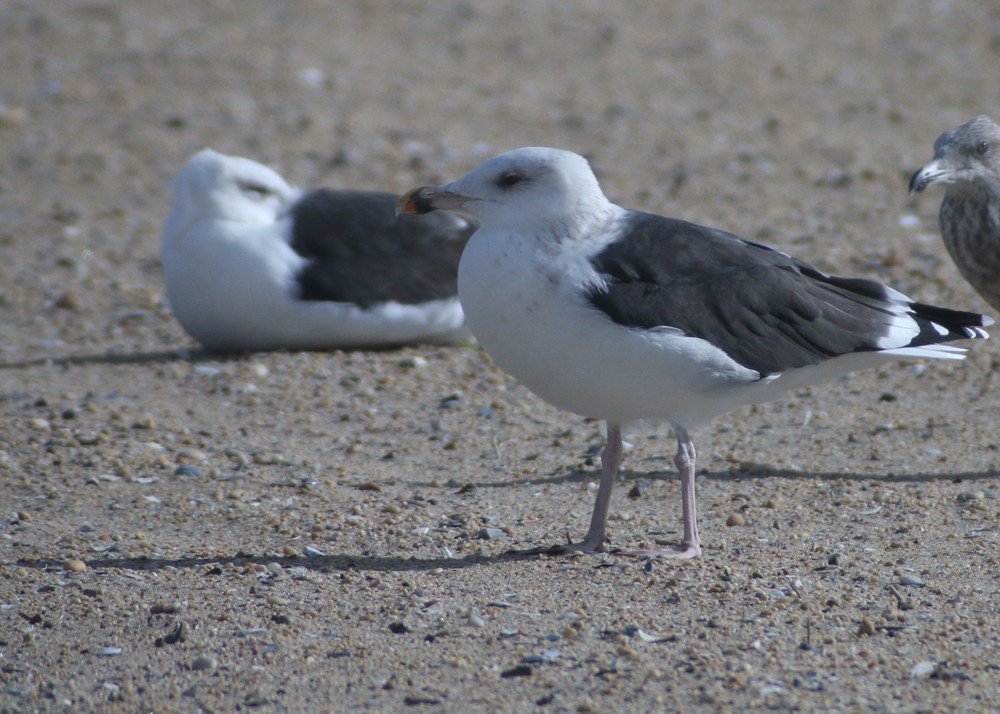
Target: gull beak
429 198
930 174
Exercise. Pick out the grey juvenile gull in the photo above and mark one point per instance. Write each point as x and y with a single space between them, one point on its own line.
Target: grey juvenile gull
967 160
623 315
252 263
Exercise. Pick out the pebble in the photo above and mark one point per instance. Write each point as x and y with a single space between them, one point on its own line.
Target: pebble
491 533
190 454
312 77
923 669
313 552
39 424
238 456
187 470
736 520
75 565
521 670
911 580
413 362
13 117
628 652
111 651
204 663
68 301
970 496
867 627
654 636
164 608
398 627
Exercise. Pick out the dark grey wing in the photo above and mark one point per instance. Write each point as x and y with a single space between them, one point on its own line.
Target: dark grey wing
769 312
361 252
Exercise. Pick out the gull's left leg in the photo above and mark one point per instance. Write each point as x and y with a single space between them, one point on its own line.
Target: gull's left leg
684 460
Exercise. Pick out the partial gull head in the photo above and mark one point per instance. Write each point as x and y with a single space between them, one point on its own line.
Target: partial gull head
967 162
227 188
252 263
623 315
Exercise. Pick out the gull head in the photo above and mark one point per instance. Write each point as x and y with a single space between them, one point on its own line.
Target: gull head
229 188
528 189
969 153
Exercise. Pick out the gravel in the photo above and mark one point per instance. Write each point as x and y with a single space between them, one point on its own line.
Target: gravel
312 532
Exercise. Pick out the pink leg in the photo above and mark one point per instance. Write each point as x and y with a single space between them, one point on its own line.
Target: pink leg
611 459
684 460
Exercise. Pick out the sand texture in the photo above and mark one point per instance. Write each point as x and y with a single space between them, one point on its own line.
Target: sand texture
329 532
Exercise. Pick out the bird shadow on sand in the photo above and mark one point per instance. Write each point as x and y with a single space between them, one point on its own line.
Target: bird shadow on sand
761 471
320 563
181 354
343 562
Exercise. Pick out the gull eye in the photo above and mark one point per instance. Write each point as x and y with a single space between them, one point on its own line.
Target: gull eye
509 179
256 191
982 148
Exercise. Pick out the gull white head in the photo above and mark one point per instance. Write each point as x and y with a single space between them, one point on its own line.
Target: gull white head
228 188
531 188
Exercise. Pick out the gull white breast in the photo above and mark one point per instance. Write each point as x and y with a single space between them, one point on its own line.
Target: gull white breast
623 315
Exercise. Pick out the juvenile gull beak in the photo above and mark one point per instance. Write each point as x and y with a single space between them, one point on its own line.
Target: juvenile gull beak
429 198
929 174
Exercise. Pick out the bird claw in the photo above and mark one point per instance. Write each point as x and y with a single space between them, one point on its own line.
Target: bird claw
585 546
567 548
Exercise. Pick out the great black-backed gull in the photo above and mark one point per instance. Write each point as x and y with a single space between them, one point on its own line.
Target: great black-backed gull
252 263
623 315
967 160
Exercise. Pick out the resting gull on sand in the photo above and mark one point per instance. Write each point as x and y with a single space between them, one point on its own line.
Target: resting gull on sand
254 264
623 315
967 161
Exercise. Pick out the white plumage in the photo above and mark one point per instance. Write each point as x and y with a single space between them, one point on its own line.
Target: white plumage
234 273
621 315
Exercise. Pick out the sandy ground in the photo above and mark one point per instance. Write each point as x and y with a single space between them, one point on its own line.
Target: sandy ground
327 532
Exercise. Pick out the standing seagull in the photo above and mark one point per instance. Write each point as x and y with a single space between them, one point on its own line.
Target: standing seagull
254 264
622 315
967 160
